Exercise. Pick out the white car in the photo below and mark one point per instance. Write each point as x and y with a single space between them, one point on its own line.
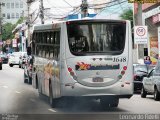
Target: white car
14 58
151 85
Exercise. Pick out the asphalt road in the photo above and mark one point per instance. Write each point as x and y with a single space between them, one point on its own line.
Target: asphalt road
16 97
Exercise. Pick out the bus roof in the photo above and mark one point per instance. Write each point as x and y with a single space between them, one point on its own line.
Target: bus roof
57 25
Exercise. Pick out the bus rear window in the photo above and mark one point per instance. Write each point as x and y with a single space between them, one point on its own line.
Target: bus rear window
96 37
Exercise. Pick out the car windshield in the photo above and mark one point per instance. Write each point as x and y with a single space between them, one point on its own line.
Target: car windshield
139 68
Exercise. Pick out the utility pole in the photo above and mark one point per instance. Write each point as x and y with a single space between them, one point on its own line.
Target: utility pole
140 47
41 12
84 8
1 4
29 22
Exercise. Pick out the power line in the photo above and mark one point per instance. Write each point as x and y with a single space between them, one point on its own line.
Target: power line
111 5
68 3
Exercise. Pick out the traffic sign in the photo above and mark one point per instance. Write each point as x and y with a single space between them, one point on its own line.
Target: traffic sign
140 34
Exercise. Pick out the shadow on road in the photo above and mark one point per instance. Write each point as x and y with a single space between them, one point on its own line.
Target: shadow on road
81 105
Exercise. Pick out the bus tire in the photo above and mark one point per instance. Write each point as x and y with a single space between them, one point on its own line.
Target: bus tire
143 93
156 94
109 102
11 65
36 82
30 80
114 102
51 100
104 103
25 79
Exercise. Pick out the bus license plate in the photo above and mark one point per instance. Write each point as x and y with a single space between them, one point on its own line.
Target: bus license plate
97 79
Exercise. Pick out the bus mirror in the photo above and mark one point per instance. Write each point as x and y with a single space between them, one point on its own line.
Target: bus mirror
28 50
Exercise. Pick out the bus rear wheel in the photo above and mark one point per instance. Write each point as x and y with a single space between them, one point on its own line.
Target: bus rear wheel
109 102
11 65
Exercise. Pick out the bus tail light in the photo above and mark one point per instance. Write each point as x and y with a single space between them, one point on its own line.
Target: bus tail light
125 68
72 73
122 72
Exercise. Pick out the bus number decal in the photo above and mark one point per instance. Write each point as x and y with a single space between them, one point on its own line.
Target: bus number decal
119 59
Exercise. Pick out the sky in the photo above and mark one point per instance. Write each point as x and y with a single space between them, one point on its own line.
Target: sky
62 8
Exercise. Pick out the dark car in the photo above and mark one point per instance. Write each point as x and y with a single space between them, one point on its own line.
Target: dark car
4 58
140 71
0 63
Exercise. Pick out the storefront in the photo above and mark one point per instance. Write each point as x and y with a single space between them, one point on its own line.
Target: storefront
151 18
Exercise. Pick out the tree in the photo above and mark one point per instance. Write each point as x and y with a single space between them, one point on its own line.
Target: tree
128 15
7 31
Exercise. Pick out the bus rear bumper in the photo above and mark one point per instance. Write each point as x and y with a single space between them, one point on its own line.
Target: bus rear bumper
78 90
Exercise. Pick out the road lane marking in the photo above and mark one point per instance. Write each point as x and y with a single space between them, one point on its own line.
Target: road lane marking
51 110
5 86
18 92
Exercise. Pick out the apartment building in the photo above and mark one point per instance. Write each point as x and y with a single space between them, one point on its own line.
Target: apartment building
13 10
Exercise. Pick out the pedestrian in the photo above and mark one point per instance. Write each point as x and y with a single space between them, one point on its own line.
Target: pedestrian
147 60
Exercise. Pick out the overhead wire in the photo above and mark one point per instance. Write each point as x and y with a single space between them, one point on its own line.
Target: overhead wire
111 6
68 3
57 8
77 10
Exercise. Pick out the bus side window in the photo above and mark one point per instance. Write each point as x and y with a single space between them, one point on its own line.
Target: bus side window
51 52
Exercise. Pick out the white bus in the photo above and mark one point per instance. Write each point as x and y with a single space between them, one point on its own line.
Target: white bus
90 58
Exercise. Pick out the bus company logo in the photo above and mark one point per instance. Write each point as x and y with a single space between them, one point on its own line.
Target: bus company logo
84 66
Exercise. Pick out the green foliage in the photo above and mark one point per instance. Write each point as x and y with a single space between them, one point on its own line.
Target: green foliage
8 28
21 19
7 31
128 15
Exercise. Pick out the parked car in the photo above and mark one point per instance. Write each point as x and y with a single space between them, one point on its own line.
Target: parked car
23 60
14 58
0 63
4 58
140 71
151 84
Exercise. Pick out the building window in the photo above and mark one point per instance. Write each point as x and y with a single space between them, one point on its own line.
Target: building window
17 4
12 5
17 15
8 5
21 4
12 16
8 16
4 15
21 14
